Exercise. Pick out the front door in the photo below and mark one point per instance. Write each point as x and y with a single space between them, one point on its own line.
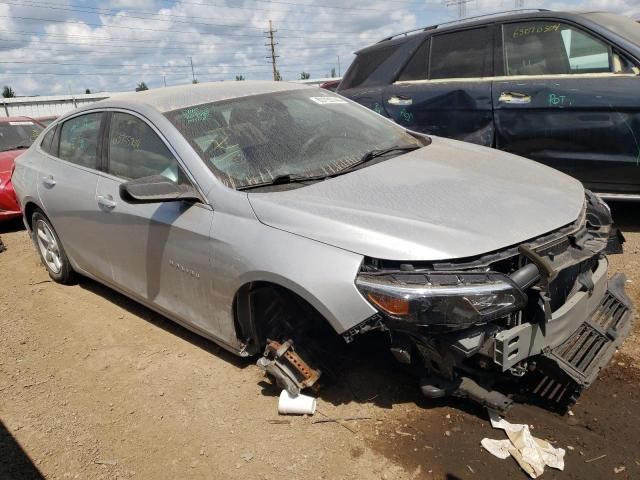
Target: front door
160 252
571 101
445 89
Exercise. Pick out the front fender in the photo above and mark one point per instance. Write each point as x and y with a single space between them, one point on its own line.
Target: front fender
246 250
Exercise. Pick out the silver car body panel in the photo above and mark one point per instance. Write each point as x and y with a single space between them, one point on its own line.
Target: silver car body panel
430 204
188 262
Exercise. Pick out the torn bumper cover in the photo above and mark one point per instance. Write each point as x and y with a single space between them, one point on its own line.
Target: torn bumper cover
542 310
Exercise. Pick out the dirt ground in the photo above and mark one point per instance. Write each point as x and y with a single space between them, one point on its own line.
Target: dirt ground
95 386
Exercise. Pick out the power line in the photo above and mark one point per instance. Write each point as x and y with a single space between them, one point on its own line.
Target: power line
172 18
217 65
53 20
119 73
299 5
126 43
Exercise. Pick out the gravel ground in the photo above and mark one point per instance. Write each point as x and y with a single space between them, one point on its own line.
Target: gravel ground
93 385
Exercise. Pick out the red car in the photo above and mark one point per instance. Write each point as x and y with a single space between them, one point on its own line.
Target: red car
16 135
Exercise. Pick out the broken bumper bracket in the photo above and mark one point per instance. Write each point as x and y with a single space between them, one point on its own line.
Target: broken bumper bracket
590 348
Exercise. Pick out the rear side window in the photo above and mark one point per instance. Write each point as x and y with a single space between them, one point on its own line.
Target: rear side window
136 151
79 139
552 48
47 141
465 54
416 69
365 64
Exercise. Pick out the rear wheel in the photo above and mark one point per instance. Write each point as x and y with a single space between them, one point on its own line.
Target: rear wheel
50 249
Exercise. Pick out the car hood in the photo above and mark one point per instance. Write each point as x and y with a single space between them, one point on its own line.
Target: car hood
8 158
447 200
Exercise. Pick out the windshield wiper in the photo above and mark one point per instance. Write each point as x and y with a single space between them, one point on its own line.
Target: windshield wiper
373 154
296 178
283 179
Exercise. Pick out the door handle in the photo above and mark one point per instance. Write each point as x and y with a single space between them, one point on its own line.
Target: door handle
106 202
516 98
48 181
400 100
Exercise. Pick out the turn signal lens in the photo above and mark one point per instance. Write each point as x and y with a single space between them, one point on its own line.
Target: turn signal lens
396 306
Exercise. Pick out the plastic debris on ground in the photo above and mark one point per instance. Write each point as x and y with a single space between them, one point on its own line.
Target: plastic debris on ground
296 404
531 453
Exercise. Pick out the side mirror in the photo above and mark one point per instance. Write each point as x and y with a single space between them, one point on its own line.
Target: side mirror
157 189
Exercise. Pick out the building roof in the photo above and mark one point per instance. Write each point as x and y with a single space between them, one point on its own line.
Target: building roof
16 119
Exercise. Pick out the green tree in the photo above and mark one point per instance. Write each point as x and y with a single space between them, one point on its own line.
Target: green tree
278 76
87 90
7 92
305 76
141 87
239 78
333 73
195 80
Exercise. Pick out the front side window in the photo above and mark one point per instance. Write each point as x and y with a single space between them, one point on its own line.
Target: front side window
79 140
18 134
136 151
308 132
552 48
465 54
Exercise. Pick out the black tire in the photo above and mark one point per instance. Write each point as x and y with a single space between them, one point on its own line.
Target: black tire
51 253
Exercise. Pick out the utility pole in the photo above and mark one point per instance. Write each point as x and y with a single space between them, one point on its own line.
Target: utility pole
461 4
164 79
193 75
272 43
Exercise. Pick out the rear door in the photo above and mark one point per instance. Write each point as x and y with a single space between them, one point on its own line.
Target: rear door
160 252
67 179
569 100
445 88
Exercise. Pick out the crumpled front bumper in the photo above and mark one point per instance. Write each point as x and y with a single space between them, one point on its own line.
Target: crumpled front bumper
581 336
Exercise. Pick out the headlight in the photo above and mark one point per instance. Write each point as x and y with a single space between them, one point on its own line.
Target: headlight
453 300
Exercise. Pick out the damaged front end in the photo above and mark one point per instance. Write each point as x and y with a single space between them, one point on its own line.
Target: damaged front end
542 310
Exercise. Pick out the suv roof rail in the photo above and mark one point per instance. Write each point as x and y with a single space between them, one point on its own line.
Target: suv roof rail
462 20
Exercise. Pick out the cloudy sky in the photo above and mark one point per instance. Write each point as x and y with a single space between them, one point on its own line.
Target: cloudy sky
66 46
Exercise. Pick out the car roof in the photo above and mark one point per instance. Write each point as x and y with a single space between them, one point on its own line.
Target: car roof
173 98
522 14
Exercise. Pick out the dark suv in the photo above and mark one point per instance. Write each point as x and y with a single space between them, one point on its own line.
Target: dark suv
559 88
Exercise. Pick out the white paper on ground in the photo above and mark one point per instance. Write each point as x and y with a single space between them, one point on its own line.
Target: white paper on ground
498 448
531 453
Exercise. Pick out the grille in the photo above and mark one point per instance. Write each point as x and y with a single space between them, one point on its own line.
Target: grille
582 348
581 353
610 312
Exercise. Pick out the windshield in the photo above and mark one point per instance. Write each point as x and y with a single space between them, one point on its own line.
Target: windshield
18 134
623 26
309 132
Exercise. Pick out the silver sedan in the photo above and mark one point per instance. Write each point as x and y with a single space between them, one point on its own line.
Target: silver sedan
249 211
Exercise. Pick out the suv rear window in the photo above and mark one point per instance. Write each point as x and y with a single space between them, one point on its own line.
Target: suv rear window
365 64
465 54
